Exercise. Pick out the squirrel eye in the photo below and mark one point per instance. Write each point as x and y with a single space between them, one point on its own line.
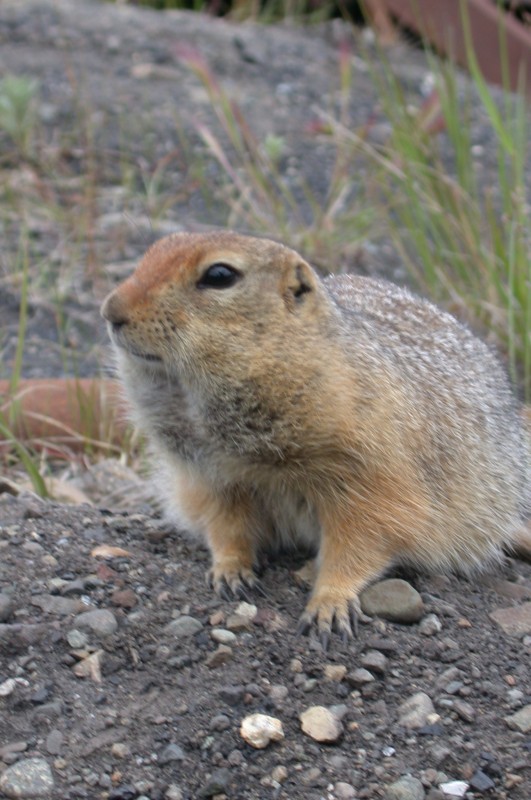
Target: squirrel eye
218 276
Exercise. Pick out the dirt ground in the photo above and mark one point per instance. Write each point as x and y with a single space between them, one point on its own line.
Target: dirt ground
145 698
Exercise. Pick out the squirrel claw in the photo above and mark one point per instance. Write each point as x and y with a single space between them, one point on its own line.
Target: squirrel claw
304 627
342 620
258 587
354 621
225 592
236 584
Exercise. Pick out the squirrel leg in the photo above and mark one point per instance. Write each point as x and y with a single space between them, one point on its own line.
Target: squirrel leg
360 535
352 553
229 535
227 521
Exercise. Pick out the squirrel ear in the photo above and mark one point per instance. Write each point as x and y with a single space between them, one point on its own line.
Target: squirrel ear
300 282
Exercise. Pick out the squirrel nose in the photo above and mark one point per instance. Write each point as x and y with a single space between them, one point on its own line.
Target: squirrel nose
114 311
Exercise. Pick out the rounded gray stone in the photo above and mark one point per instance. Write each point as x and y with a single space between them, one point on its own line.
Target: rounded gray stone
102 622
394 600
223 636
29 778
184 626
405 788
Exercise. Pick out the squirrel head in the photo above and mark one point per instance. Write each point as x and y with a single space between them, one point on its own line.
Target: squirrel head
211 304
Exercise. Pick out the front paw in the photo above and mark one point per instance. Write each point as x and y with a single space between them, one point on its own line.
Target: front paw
329 610
230 578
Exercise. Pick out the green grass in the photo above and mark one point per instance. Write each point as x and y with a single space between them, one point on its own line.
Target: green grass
467 244
17 111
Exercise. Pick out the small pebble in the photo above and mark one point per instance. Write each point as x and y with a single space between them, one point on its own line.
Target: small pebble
521 720
101 622
54 742
7 606
454 788
405 788
415 711
259 730
359 677
335 672
183 627
235 758
246 610
278 694
232 695
310 777
279 774
465 710
125 598
12 748
220 656
480 782
77 639
430 625
220 723
223 636
173 793
344 791
120 750
219 783
172 752
8 687
375 662
321 724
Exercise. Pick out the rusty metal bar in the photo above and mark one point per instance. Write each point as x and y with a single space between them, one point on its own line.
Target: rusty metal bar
440 22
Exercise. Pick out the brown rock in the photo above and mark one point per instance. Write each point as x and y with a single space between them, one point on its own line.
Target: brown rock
220 656
125 598
516 621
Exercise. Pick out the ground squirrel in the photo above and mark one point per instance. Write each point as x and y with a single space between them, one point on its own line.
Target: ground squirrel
344 414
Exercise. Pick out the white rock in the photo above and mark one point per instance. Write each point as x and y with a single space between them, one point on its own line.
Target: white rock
259 730
430 625
454 788
321 724
246 610
7 687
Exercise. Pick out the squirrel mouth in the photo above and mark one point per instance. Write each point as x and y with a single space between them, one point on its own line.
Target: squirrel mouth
145 356
131 351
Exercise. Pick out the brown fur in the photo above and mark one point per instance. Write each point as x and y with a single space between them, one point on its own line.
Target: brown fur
346 414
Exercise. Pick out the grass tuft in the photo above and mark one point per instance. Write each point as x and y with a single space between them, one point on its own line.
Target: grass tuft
17 111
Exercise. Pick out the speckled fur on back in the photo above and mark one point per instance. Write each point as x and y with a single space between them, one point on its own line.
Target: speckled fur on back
458 416
344 413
